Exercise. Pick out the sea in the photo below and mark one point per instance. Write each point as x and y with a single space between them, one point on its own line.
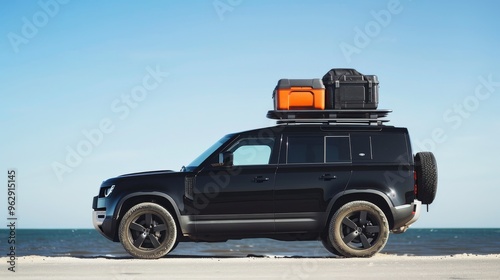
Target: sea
88 243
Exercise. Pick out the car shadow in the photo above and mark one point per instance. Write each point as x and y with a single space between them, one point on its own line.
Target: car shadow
174 256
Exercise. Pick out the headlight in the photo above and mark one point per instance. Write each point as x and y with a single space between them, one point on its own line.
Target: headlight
108 191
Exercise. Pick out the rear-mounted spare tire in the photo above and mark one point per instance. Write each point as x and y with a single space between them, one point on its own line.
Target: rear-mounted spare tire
426 168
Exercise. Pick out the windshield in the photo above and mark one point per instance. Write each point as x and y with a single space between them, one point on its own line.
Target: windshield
201 158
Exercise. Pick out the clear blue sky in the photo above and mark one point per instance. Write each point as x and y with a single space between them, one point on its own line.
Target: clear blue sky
69 68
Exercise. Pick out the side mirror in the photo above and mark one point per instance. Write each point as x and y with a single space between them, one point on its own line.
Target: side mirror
226 159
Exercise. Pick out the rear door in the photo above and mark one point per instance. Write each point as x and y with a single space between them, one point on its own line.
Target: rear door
313 169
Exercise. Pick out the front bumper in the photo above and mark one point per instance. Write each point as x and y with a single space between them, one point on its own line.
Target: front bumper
102 223
98 219
406 215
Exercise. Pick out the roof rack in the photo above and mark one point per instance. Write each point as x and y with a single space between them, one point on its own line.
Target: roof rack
347 116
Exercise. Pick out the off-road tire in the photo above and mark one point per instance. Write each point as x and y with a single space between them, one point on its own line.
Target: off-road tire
427 177
148 231
358 229
328 246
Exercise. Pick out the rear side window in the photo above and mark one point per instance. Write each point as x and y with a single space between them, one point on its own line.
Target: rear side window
337 149
390 147
361 147
318 149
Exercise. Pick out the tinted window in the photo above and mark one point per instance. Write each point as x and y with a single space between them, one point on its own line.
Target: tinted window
389 148
311 149
308 149
338 149
361 147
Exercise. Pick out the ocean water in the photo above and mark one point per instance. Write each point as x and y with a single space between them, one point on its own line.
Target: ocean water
88 243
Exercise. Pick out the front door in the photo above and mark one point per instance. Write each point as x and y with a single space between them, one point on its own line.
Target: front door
238 198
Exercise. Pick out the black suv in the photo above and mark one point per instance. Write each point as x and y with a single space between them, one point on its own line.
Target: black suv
345 181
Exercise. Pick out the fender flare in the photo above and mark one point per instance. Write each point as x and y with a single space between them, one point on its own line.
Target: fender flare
379 194
122 201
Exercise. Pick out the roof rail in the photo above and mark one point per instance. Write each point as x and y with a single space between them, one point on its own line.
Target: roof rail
347 116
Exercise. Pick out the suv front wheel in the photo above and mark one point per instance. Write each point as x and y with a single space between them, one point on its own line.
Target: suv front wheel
358 229
148 231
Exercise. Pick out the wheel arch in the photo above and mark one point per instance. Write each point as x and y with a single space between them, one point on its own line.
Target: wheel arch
133 199
378 198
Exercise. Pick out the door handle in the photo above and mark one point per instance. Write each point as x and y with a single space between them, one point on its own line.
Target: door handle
327 177
260 179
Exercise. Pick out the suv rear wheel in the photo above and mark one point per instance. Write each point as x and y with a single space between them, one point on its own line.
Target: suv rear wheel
358 229
148 231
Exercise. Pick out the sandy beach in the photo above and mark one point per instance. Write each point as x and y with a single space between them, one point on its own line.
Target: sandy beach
382 266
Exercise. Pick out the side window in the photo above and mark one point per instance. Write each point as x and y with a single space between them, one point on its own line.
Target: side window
338 149
390 147
318 149
252 151
361 147
305 149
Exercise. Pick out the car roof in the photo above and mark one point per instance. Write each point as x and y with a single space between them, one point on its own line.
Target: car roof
318 128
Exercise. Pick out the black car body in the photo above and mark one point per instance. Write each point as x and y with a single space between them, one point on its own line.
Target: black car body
287 182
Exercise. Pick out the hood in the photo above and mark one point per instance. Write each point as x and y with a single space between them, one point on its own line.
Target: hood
146 173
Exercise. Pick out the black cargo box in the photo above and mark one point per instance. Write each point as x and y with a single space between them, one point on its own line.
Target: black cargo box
349 89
